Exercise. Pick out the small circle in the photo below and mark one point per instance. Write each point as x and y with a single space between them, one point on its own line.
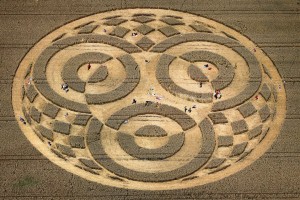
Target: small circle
139 99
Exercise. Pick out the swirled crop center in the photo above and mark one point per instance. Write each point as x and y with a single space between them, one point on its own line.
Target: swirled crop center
149 99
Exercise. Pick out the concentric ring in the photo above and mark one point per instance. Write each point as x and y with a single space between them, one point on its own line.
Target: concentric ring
157 99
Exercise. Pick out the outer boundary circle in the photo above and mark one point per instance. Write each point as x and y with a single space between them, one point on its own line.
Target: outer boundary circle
130 184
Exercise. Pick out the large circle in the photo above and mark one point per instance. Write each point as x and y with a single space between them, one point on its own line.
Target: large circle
157 100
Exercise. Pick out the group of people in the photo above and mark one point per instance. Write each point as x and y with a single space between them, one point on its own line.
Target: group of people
206 66
134 34
65 87
147 103
217 94
189 109
22 120
151 92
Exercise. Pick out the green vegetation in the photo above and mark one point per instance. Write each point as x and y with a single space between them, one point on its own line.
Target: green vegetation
26 181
